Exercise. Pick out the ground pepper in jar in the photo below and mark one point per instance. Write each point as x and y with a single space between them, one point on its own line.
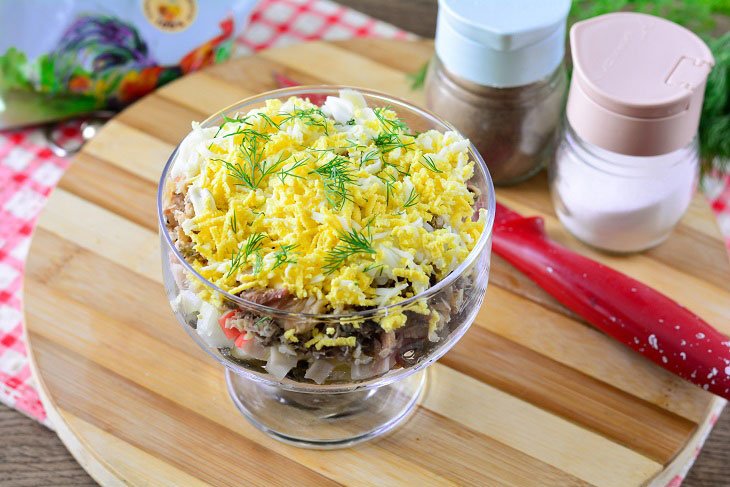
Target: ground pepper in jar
498 76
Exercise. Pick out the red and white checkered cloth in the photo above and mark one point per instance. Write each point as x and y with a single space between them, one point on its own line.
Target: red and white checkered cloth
29 171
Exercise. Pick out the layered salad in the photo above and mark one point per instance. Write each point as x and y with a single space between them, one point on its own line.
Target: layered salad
323 212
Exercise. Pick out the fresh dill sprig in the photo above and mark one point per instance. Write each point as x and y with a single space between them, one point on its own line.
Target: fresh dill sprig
268 121
311 116
429 164
418 78
367 157
336 176
256 166
283 173
351 243
236 261
282 256
388 180
386 142
374 266
257 213
234 223
412 199
253 244
391 126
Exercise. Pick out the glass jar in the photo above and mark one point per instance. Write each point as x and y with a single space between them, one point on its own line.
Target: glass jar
627 165
617 202
514 128
498 75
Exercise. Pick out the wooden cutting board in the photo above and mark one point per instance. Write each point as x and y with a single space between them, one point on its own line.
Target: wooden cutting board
530 396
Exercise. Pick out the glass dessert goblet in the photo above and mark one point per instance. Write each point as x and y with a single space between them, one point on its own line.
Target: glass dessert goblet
332 402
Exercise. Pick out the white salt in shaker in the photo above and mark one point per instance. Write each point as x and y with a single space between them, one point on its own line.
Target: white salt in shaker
626 167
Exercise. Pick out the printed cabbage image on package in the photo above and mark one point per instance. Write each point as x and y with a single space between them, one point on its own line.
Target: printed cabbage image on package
64 58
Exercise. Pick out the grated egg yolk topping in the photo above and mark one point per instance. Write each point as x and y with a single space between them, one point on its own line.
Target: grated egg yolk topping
341 203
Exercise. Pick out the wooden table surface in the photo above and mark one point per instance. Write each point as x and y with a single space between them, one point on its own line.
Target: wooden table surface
31 455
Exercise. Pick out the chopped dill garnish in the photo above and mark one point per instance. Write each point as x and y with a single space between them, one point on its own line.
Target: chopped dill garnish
336 175
234 223
351 243
390 126
367 157
261 320
418 78
412 199
256 166
374 266
236 261
389 180
288 172
429 164
387 142
311 116
252 245
282 256
268 121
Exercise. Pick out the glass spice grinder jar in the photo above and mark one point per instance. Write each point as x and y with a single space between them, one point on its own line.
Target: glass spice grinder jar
498 75
626 166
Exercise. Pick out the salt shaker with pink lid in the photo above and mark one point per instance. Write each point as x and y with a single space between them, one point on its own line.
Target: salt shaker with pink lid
626 167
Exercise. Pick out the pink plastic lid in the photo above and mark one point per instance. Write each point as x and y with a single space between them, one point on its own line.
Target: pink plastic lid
638 83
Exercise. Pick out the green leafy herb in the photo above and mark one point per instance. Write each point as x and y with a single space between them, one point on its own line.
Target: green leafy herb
388 180
412 199
312 117
388 142
428 163
390 126
367 157
255 167
283 173
268 121
236 261
351 243
234 223
418 78
282 256
336 176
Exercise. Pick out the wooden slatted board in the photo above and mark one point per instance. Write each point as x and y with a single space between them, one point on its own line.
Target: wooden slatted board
530 396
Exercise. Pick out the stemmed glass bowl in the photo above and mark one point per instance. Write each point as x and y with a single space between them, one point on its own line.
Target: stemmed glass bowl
356 402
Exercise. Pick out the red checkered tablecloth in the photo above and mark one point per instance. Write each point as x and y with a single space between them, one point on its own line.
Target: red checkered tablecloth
29 170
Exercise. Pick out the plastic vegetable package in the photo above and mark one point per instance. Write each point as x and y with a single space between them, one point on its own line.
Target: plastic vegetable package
70 57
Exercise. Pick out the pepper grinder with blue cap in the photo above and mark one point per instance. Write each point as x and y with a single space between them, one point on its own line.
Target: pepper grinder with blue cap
498 75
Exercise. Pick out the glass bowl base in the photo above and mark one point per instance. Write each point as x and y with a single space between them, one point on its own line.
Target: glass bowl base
325 420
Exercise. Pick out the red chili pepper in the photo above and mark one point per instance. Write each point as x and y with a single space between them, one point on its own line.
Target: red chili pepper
286 82
638 316
229 332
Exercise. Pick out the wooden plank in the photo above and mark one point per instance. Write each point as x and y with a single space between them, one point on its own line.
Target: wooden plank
101 231
130 197
203 92
130 149
538 433
170 432
577 346
125 460
570 393
343 67
168 121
